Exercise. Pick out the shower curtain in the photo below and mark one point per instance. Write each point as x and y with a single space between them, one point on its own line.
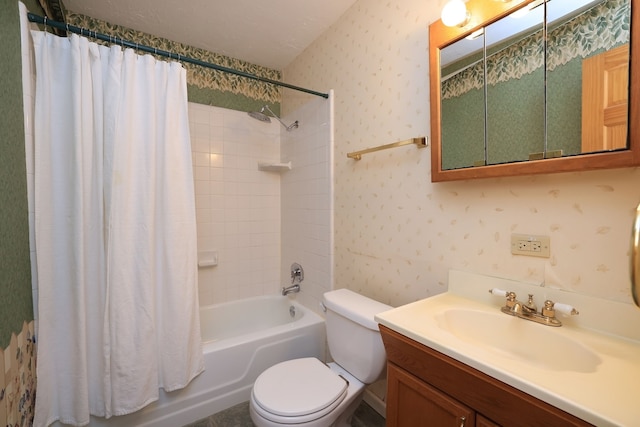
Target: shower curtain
115 231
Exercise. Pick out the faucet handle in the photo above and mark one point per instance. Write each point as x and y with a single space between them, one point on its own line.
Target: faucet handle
297 273
498 292
550 309
565 309
511 299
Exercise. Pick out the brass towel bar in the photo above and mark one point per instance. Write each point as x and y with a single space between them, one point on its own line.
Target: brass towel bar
420 142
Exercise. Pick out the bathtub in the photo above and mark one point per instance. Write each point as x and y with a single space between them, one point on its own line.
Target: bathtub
240 340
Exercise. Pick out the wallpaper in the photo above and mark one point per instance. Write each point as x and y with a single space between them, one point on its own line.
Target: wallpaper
600 28
18 379
396 233
15 269
205 85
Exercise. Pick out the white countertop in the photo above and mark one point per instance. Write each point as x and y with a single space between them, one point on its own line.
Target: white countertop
608 396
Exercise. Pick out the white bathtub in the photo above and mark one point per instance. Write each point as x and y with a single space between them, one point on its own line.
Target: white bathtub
240 340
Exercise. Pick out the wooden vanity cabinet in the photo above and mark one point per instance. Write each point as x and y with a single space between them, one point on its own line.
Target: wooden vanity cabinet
428 388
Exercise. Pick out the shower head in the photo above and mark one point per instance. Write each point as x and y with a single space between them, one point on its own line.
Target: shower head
260 115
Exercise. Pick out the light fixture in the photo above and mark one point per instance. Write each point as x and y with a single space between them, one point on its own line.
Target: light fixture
455 14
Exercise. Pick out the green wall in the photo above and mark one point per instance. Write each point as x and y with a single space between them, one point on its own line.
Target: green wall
16 305
463 130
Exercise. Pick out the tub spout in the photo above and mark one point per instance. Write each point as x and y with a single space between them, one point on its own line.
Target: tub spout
291 289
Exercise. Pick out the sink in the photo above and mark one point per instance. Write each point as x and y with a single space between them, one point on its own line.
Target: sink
516 338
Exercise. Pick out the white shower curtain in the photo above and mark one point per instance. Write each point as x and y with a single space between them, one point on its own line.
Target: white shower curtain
115 231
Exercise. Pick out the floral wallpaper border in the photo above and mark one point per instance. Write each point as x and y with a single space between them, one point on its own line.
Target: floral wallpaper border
201 77
18 379
599 28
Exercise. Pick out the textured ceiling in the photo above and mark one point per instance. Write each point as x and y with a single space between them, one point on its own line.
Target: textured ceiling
268 33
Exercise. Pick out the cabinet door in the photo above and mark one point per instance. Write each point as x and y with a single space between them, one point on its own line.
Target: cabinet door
412 402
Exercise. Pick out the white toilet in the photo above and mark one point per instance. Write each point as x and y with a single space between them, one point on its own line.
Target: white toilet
308 393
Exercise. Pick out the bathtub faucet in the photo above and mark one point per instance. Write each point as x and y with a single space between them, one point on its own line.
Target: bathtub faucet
291 289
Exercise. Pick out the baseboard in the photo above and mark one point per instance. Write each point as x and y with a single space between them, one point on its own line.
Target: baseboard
375 402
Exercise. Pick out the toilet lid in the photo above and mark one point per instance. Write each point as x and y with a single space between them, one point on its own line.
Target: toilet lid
298 387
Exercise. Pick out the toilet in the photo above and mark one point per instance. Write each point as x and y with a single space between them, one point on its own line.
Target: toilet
308 393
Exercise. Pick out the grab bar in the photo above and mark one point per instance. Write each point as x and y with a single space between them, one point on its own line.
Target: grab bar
635 258
420 142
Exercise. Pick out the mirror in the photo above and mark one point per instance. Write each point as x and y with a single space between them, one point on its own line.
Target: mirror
504 102
463 103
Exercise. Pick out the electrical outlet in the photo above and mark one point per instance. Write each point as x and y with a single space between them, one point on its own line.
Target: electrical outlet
524 245
530 245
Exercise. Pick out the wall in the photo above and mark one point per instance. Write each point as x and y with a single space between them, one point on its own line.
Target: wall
307 195
260 222
15 270
237 206
397 235
17 350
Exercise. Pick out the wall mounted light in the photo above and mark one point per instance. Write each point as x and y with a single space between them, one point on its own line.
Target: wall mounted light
455 14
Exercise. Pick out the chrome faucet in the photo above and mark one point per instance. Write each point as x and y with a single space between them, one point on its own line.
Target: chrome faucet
528 310
297 276
291 289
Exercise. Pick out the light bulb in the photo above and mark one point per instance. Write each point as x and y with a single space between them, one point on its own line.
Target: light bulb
455 14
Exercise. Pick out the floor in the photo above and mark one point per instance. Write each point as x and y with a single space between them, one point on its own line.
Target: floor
238 416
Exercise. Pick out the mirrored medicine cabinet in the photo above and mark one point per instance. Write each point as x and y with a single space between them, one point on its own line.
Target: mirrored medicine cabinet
535 86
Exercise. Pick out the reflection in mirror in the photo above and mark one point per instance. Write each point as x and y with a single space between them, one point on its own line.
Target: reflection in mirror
515 86
463 103
580 38
587 75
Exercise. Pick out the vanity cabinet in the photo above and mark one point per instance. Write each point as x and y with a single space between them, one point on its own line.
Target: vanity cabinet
428 388
416 403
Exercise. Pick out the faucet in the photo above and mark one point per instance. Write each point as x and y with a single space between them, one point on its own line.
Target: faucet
529 310
297 276
291 289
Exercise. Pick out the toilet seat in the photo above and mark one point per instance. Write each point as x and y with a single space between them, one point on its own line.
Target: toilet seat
298 391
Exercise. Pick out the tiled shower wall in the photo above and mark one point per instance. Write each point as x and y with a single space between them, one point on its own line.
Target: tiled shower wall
259 222
307 196
237 205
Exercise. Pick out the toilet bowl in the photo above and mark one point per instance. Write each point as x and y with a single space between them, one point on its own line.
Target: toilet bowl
325 395
309 393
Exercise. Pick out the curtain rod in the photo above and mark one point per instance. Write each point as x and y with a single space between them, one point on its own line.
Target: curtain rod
117 40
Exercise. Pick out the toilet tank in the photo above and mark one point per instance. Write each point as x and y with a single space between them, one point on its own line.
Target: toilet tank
353 335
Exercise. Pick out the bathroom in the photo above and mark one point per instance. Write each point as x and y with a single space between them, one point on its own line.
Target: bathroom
395 234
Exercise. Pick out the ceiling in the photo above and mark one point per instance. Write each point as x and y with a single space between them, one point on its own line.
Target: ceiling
269 33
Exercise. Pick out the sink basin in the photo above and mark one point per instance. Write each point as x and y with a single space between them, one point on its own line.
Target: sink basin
518 338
